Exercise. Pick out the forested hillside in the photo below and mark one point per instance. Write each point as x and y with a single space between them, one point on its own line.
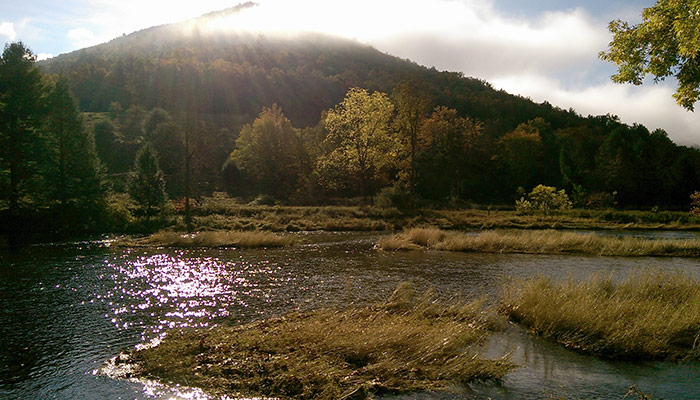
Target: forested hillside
448 137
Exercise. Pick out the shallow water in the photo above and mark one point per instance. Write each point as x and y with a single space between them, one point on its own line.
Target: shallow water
68 308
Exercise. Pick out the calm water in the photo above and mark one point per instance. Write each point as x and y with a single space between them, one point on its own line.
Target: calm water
67 309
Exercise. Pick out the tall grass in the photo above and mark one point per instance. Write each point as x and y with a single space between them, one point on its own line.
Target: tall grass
408 343
250 239
539 242
649 315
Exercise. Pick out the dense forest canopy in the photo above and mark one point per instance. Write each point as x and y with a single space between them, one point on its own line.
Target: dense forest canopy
308 118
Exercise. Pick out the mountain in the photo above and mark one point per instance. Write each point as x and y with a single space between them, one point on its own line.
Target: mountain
226 76
238 72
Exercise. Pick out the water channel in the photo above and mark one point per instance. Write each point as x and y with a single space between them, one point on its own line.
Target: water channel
68 308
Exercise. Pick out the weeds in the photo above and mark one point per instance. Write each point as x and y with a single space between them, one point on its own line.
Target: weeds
211 239
649 315
539 242
408 343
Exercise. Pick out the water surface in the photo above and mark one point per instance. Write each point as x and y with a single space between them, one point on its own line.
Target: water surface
68 308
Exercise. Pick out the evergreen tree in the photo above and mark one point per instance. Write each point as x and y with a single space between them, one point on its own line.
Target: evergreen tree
146 183
73 172
21 145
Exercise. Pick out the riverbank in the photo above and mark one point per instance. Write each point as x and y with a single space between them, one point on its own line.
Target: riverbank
246 240
647 316
225 214
538 242
408 343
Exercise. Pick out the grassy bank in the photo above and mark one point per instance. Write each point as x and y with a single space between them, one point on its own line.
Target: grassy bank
409 343
539 242
210 239
224 213
649 315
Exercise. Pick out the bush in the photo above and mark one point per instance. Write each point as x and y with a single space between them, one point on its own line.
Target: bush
394 196
263 200
543 198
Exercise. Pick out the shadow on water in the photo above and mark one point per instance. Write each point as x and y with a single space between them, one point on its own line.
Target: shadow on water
68 308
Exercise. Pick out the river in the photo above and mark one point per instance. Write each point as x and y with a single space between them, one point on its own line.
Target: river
68 308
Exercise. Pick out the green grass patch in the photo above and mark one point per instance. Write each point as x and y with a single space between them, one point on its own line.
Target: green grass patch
647 316
539 242
409 343
248 239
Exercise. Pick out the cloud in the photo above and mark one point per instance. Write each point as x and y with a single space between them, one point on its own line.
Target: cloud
8 29
82 37
43 56
650 105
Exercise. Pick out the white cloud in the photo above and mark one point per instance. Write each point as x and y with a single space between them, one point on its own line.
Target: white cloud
43 56
82 37
8 29
650 105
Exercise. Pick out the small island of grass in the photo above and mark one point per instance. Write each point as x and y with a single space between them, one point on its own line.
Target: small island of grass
647 316
240 239
409 343
538 242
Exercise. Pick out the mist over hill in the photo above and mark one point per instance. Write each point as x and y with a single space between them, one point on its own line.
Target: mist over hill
225 76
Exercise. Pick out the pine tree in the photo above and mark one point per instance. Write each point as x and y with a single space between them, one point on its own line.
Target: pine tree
73 170
146 182
21 116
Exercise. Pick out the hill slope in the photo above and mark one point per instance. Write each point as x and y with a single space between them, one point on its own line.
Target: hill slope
227 76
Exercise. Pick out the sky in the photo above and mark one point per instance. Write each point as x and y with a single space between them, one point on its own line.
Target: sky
546 50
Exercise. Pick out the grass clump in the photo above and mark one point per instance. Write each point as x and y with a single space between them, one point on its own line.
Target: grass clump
647 316
539 242
251 239
408 343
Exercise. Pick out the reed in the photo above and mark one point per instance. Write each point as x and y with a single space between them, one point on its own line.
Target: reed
240 239
649 315
409 343
539 242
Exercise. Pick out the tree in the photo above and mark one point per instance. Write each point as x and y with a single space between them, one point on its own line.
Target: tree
360 145
72 169
146 183
666 43
522 152
21 93
271 153
412 107
446 143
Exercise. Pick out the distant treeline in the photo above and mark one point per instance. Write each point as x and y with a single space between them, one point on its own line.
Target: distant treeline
454 138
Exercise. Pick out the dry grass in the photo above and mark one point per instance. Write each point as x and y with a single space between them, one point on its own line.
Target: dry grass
539 242
250 239
649 315
409 343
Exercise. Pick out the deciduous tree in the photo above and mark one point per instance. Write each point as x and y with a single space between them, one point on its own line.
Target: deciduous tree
360 145
666 43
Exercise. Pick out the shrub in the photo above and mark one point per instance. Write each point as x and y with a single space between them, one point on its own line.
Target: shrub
394 196
545 199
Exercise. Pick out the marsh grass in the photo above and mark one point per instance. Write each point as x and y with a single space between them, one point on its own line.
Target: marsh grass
539 242
409 343
648 315
248 239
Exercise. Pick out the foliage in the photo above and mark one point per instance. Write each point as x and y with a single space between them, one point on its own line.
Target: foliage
647 315
247 240
446 160
73 172
22 92
360 145
397 195
545 199
146 183
666 43
270 152
695 203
